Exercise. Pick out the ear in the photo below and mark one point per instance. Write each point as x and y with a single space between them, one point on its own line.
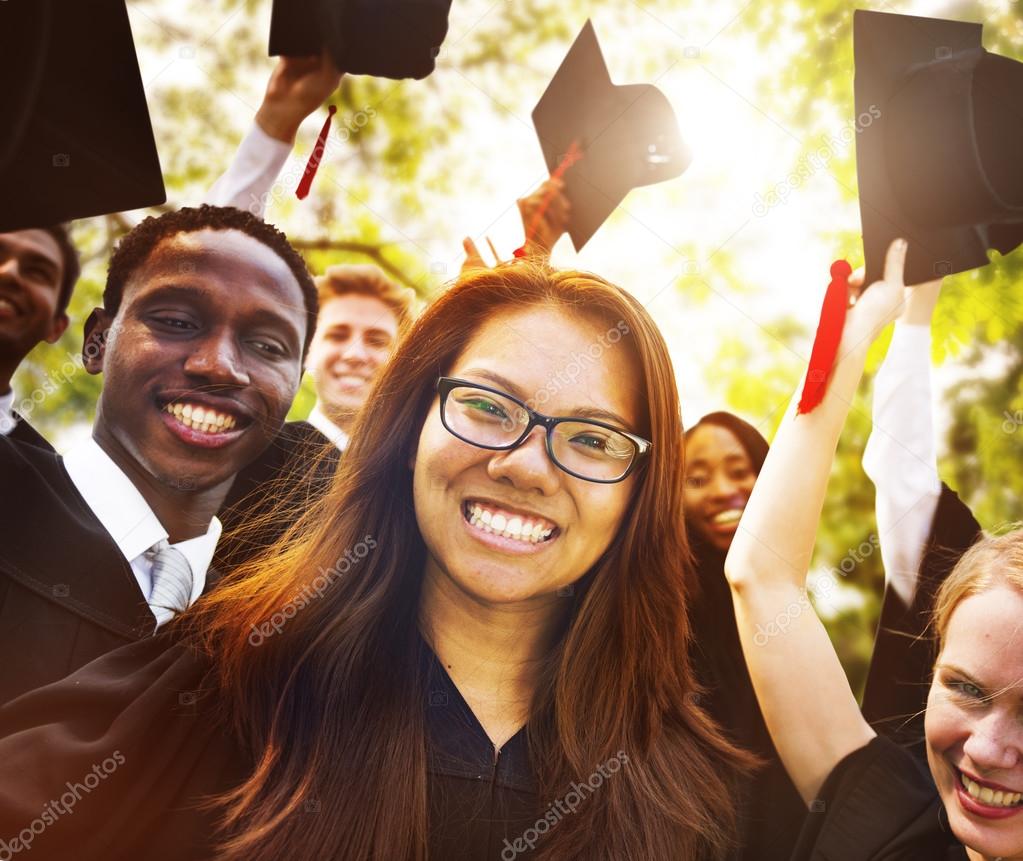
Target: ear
97 330
57 328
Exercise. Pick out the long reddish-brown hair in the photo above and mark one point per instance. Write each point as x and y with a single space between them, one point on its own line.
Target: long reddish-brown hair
332 707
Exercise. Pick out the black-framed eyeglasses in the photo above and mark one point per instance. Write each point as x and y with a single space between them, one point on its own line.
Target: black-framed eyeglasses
585 448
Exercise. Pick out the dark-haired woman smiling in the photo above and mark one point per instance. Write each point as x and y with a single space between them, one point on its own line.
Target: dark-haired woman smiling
505 674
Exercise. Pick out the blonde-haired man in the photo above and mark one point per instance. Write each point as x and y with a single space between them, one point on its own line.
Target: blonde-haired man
363 315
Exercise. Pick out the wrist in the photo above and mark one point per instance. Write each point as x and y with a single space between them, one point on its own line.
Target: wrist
276 124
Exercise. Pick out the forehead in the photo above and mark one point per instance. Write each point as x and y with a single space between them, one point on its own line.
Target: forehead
713 443
559 361
32 241
359 311
227 264
985 637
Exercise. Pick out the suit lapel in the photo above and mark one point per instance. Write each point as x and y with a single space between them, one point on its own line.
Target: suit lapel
56 547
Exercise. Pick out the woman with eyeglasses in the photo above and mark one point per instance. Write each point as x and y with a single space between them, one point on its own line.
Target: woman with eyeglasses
474 647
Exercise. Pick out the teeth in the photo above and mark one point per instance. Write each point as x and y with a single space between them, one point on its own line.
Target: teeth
514 527
733 515
988 796
200 419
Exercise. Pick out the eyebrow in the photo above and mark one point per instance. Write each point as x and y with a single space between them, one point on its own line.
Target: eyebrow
577 412
36 258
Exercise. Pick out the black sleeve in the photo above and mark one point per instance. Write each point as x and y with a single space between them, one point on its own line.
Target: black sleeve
900 668
878 804
106 763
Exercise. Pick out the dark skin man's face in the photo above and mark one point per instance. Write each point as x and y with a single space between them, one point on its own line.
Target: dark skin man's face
201 362
31 270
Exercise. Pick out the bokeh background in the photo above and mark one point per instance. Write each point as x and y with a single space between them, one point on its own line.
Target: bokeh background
732 258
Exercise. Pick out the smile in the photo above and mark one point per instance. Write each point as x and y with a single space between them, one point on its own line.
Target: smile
8 308
200 418
521 528
986 802
729 517
202 426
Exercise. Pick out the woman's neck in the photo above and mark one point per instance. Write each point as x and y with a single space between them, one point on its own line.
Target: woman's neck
493 653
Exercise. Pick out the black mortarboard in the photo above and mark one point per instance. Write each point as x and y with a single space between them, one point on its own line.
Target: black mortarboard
77 138
626 136
938 149
385 38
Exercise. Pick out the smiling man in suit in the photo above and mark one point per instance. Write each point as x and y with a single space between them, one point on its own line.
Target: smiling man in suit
206 317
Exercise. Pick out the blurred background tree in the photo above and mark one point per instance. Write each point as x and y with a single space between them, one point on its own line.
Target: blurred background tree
735 284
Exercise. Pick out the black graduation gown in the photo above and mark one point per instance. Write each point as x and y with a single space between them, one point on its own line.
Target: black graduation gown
67 594
878 804
293 471
141 719
24 432
771 810
904 651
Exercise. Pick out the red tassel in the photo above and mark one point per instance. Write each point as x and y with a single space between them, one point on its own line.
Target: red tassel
571 157
314 160
829 335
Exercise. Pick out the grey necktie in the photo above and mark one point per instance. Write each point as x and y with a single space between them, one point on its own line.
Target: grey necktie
172 581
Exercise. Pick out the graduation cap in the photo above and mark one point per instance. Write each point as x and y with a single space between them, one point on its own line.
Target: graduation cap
616 138
77 139
939 164
384 38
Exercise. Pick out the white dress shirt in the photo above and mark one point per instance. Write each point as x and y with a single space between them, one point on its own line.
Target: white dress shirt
7 413
126 515
249 180
318 419
901 456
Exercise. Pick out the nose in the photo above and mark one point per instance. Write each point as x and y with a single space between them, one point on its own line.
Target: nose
217 360
355 350
9 269
720 486
994 742
528 466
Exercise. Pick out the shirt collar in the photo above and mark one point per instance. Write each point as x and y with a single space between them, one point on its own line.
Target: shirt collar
7 413
318 419
124 512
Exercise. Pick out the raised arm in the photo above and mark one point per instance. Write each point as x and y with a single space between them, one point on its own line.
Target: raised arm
544 213
809 709
901 457
297 87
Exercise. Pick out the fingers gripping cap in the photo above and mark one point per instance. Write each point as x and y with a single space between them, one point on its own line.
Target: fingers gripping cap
625 136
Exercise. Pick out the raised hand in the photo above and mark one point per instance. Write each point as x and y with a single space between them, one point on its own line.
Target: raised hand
297 87
882 303
545 214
